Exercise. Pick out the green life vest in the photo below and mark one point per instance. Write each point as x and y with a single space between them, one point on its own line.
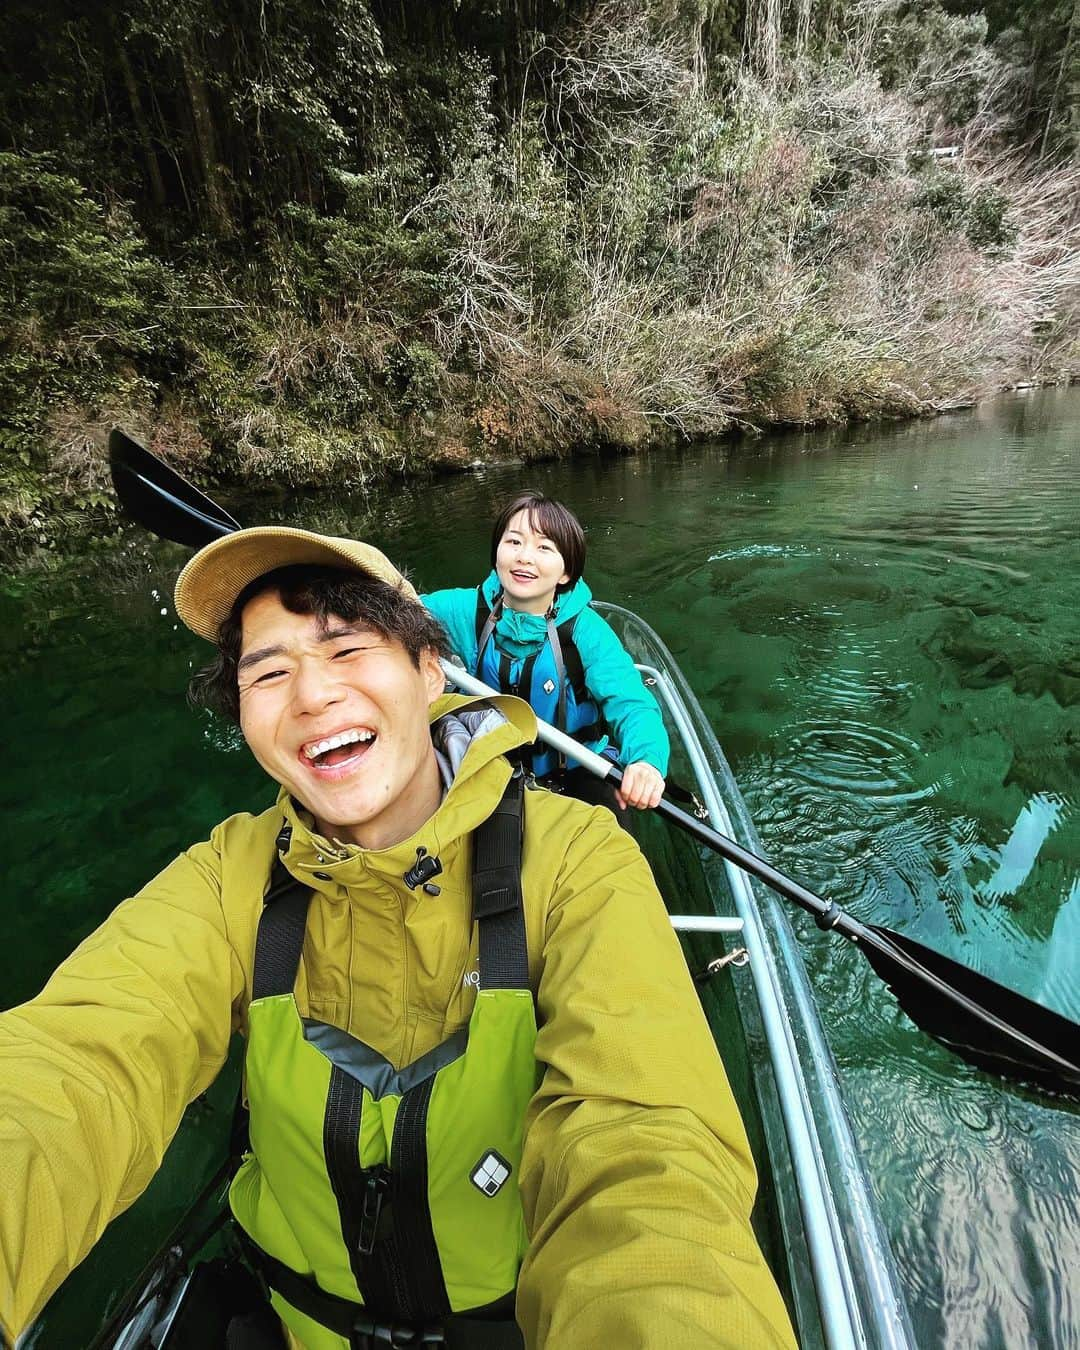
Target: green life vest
379 1198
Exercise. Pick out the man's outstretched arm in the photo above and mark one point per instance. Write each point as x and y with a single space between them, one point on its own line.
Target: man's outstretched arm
636 1177
96 1071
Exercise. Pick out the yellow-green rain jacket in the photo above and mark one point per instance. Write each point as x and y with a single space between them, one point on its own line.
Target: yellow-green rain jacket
636 1176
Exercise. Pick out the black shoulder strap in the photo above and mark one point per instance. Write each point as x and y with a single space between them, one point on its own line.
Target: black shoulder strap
279 942
486 619
575 671
497 899
483 609
280 938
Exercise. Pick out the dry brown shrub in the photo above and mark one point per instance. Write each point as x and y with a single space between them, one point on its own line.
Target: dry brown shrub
78 449
451 455
494 425
293 351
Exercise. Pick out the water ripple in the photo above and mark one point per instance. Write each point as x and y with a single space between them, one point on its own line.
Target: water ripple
853 756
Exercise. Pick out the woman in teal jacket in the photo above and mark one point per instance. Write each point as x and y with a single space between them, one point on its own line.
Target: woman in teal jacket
528 630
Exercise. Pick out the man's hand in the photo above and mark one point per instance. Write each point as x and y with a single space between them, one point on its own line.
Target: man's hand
642 786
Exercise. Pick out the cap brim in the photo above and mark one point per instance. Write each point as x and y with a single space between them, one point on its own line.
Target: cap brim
207 588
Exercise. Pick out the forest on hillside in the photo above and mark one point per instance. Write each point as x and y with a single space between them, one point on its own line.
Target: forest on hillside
331 240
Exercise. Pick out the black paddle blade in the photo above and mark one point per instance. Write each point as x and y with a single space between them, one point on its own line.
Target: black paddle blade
163 500
979 1019
992 1027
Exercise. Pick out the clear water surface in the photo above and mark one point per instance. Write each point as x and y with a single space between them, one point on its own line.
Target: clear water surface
882 625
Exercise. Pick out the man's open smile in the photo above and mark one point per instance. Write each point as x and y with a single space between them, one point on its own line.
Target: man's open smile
335 755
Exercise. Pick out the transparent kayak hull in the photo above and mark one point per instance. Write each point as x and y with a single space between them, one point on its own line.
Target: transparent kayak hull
834 1260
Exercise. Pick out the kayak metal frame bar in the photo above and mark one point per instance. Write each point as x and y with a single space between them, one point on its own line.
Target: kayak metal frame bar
706 923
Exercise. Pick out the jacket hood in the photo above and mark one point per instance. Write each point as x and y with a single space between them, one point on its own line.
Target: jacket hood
472 737
567 605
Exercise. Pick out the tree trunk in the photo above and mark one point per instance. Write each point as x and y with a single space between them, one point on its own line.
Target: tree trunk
142 128
213 171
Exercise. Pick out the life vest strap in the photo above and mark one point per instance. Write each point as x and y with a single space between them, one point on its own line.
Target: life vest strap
575 670
280 938
490 1328
486 619
497 898
412 1246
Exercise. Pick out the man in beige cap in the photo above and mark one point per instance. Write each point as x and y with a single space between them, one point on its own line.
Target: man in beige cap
485 1107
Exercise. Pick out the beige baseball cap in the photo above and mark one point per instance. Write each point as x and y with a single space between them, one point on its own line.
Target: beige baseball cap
208 586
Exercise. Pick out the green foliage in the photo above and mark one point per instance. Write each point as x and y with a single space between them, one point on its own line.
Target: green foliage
80 301
281 232
987 224
1037 44
937 59
66 262
416 374
979 211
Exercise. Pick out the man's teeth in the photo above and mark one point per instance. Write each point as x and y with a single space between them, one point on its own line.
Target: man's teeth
318 748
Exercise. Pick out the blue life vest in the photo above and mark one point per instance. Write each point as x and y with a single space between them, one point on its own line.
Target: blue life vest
552 682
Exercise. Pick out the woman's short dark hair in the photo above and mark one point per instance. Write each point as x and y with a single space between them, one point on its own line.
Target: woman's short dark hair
551 519
325 592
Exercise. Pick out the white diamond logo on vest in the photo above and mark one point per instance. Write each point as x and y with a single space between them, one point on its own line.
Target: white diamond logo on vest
490 1173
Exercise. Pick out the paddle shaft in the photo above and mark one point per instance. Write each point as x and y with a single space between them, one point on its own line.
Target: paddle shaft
825 912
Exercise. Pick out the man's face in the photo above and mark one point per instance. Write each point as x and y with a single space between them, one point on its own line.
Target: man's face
339 716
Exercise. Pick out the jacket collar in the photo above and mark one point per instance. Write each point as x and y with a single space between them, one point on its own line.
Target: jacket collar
567 605
473 746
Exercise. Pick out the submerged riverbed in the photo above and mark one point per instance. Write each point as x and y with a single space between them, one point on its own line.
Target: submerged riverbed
882 627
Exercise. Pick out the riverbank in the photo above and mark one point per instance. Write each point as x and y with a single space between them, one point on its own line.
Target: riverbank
74 504
438 243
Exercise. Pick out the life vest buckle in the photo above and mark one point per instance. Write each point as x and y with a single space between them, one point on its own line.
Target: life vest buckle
377 1335
376 1184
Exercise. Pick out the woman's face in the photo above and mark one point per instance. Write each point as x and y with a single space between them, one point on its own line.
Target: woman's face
529 565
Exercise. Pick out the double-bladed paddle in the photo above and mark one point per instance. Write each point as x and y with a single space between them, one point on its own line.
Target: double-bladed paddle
162 500
990 1026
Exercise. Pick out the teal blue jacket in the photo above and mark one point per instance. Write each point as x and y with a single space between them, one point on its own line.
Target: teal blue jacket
624 703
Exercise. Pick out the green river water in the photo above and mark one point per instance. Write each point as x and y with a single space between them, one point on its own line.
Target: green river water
882 626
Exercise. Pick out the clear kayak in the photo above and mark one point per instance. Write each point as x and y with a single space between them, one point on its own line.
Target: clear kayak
815 1217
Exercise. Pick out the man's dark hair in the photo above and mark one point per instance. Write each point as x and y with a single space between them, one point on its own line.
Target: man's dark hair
326 593
550 518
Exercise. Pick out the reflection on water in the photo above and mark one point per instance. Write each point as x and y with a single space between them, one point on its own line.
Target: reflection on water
882 626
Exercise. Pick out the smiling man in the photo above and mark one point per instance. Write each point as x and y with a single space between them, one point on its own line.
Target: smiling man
485 1108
